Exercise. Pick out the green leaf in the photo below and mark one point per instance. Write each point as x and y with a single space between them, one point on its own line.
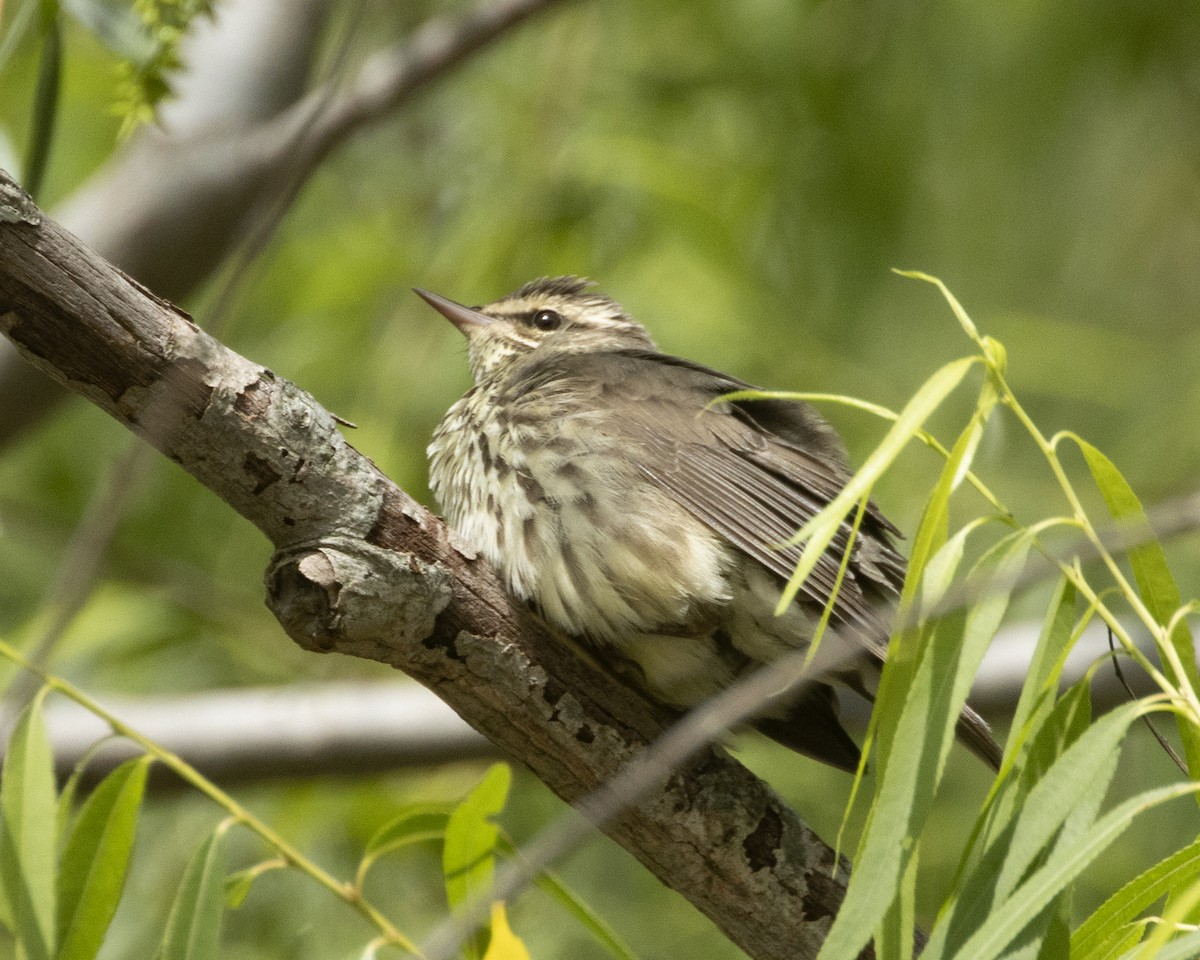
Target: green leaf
818 533
468 854
15 29
1071 791
1005 852
921 693
1090 941
1185 948
237 885
96 858
194 926
1045 669
418 822
27 835
1157 586
975 892
1004 924
414 824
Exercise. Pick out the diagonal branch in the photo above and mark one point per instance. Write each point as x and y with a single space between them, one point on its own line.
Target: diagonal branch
361 568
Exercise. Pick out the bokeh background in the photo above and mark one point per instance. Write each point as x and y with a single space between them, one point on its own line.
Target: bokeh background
741 176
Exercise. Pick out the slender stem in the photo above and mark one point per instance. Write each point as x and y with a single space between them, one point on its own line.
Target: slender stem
1182 686
192 777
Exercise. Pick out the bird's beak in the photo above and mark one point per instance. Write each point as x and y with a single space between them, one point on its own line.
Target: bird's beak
466 319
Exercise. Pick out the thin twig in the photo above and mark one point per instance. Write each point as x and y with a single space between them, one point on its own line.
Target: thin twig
1154 731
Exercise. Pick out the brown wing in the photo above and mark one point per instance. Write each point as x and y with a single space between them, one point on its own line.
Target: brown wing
754 472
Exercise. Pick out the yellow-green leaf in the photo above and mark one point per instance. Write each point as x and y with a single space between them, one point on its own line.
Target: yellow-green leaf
1156 585
504 945
96 858
28 831
468 854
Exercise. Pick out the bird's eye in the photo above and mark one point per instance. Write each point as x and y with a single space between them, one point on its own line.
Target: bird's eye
546 320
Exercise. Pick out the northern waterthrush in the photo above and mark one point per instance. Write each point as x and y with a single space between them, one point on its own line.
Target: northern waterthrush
598 477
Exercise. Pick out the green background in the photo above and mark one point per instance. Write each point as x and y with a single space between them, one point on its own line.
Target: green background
741 176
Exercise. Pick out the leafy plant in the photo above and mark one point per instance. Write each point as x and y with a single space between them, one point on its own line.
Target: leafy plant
1041 824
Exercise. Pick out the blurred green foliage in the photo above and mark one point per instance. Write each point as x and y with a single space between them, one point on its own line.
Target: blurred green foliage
741 176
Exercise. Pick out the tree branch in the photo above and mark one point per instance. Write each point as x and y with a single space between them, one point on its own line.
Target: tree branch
361 568
171 207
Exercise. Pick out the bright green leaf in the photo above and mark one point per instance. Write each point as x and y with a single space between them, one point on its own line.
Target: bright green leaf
96 858
1005 923
1156 585
27 835
818 533
975 891
1078 781
1185 948
1045 668
413 824
921 693
194 926
468 854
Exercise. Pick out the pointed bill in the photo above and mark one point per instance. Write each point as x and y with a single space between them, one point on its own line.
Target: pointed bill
466 319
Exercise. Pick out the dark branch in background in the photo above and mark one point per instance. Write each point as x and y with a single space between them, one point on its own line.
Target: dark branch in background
170 208
361 568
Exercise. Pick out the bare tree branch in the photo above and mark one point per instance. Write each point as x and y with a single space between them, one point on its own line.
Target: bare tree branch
169 208
361 568
249 735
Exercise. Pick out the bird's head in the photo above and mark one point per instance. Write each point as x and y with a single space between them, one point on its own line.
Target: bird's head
558 314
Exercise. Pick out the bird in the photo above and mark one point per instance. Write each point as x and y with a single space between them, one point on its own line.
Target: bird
635 510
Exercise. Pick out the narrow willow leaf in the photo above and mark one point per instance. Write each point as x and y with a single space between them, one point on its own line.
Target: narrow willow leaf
1036 704
901 805
194 926
943 566
993 577
1185 948
1004 924
1049 658
468 853
96 858
237 886
960 314
1120 943
504 945
818 533
1078 781
975 890
907 646
1157 586
914 718
27 835
894 938
1172 922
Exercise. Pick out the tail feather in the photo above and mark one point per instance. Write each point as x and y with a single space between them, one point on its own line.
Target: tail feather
974 733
